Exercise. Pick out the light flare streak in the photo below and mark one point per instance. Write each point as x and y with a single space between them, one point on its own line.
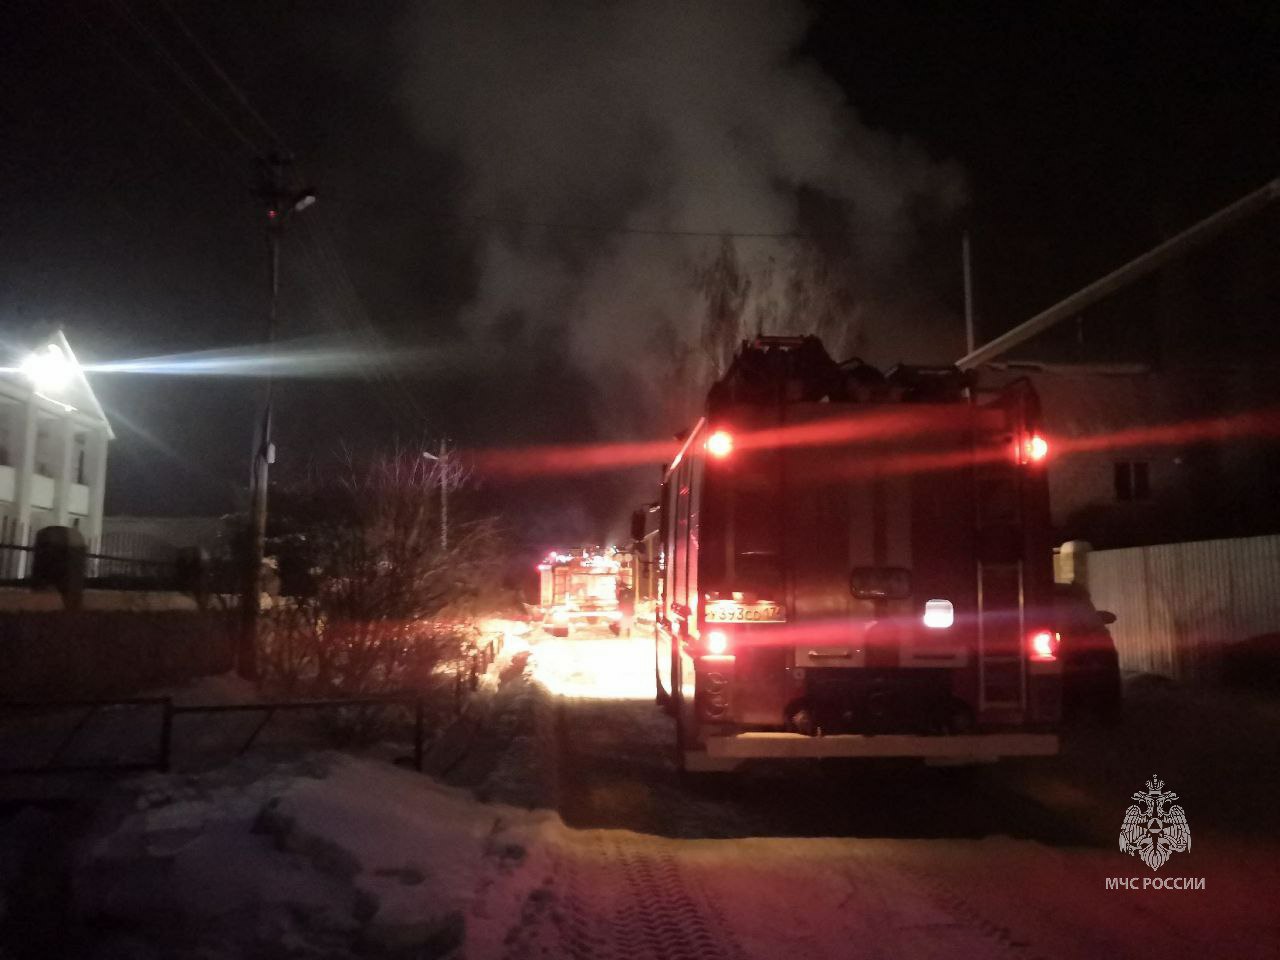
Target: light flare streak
866 438
296 359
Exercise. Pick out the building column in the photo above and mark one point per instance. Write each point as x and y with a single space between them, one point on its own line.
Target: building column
96 451
24 469
62 479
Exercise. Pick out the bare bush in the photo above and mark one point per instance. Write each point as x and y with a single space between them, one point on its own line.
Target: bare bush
371 599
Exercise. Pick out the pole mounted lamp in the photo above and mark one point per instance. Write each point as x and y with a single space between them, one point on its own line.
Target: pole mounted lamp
282 203
443 459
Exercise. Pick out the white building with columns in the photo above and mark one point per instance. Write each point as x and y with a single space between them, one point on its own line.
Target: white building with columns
53 448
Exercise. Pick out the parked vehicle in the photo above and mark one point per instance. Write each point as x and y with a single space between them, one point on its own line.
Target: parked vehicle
579 588
1091 686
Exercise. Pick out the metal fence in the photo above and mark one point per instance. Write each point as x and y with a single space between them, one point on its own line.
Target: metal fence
1180 606
131 734
17 563
55 737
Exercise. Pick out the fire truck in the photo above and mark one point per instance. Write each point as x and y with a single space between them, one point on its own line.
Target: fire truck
646 554
579 588
857 564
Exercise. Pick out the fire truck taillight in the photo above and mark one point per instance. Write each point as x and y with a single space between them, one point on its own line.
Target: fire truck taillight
720 444
939 614
1034 449
1044 645
717 643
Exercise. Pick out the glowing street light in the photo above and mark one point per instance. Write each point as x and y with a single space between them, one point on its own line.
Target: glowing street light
49 370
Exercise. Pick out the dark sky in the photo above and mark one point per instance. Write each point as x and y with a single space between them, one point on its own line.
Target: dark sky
521 195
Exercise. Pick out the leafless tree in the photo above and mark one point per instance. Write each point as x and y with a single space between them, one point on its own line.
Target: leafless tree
371 600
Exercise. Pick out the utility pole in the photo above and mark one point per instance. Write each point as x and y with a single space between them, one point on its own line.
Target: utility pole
969 343
443 460
444 494
281 202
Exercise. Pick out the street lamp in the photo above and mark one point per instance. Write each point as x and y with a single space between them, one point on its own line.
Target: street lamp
443 460
281 204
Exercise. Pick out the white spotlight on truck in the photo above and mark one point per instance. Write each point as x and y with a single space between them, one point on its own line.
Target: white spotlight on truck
939 614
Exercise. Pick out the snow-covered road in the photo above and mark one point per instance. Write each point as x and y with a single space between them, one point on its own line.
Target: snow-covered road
567 833
845 860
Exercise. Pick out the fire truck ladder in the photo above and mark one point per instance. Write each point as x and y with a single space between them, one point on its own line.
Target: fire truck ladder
1002 681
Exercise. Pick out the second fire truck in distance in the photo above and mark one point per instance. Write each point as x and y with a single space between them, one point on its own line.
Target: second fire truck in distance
580 588
857 564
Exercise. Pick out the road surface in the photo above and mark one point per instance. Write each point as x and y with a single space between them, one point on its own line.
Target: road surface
846 860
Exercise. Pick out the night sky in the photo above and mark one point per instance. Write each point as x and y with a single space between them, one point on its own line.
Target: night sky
519 199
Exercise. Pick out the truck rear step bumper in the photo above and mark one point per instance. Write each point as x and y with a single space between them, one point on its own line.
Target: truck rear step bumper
965 748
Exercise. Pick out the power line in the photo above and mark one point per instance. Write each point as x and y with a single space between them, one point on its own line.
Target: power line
143 79
333 274
347 286
461 220
126 12
350 317
222 74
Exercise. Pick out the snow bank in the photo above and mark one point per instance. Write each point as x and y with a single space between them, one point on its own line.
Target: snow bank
331 854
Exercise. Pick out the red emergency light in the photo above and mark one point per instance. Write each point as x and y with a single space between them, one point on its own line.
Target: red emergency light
1033 449
720 444
1044 645
717 643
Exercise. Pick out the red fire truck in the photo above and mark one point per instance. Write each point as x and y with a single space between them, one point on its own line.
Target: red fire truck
857 564
580 588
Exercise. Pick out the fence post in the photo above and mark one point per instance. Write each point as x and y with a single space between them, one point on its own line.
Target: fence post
59 561
191 571
166 735
417 734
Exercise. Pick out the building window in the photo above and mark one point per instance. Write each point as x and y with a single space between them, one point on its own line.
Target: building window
80 457
5 457
42 454
1133 480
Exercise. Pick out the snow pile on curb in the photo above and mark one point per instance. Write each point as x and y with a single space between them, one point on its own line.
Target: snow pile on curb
322 857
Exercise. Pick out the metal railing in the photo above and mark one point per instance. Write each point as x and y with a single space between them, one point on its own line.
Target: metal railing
15 562
162 759
103 569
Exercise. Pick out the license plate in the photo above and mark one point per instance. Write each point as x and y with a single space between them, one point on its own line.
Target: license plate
734 612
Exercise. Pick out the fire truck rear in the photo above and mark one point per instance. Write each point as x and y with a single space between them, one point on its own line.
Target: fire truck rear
580 588
857 565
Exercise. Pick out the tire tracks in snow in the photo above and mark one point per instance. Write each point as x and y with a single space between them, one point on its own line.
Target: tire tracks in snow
615 897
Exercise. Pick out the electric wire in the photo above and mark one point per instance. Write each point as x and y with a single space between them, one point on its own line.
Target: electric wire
333 273
130 16
230 84
103 38
348 294
461 220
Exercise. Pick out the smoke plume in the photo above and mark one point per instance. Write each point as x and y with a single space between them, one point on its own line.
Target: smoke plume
648 181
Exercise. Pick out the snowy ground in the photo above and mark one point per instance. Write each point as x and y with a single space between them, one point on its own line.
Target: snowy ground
563 831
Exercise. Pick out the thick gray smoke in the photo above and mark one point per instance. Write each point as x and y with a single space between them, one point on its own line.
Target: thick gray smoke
669 115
